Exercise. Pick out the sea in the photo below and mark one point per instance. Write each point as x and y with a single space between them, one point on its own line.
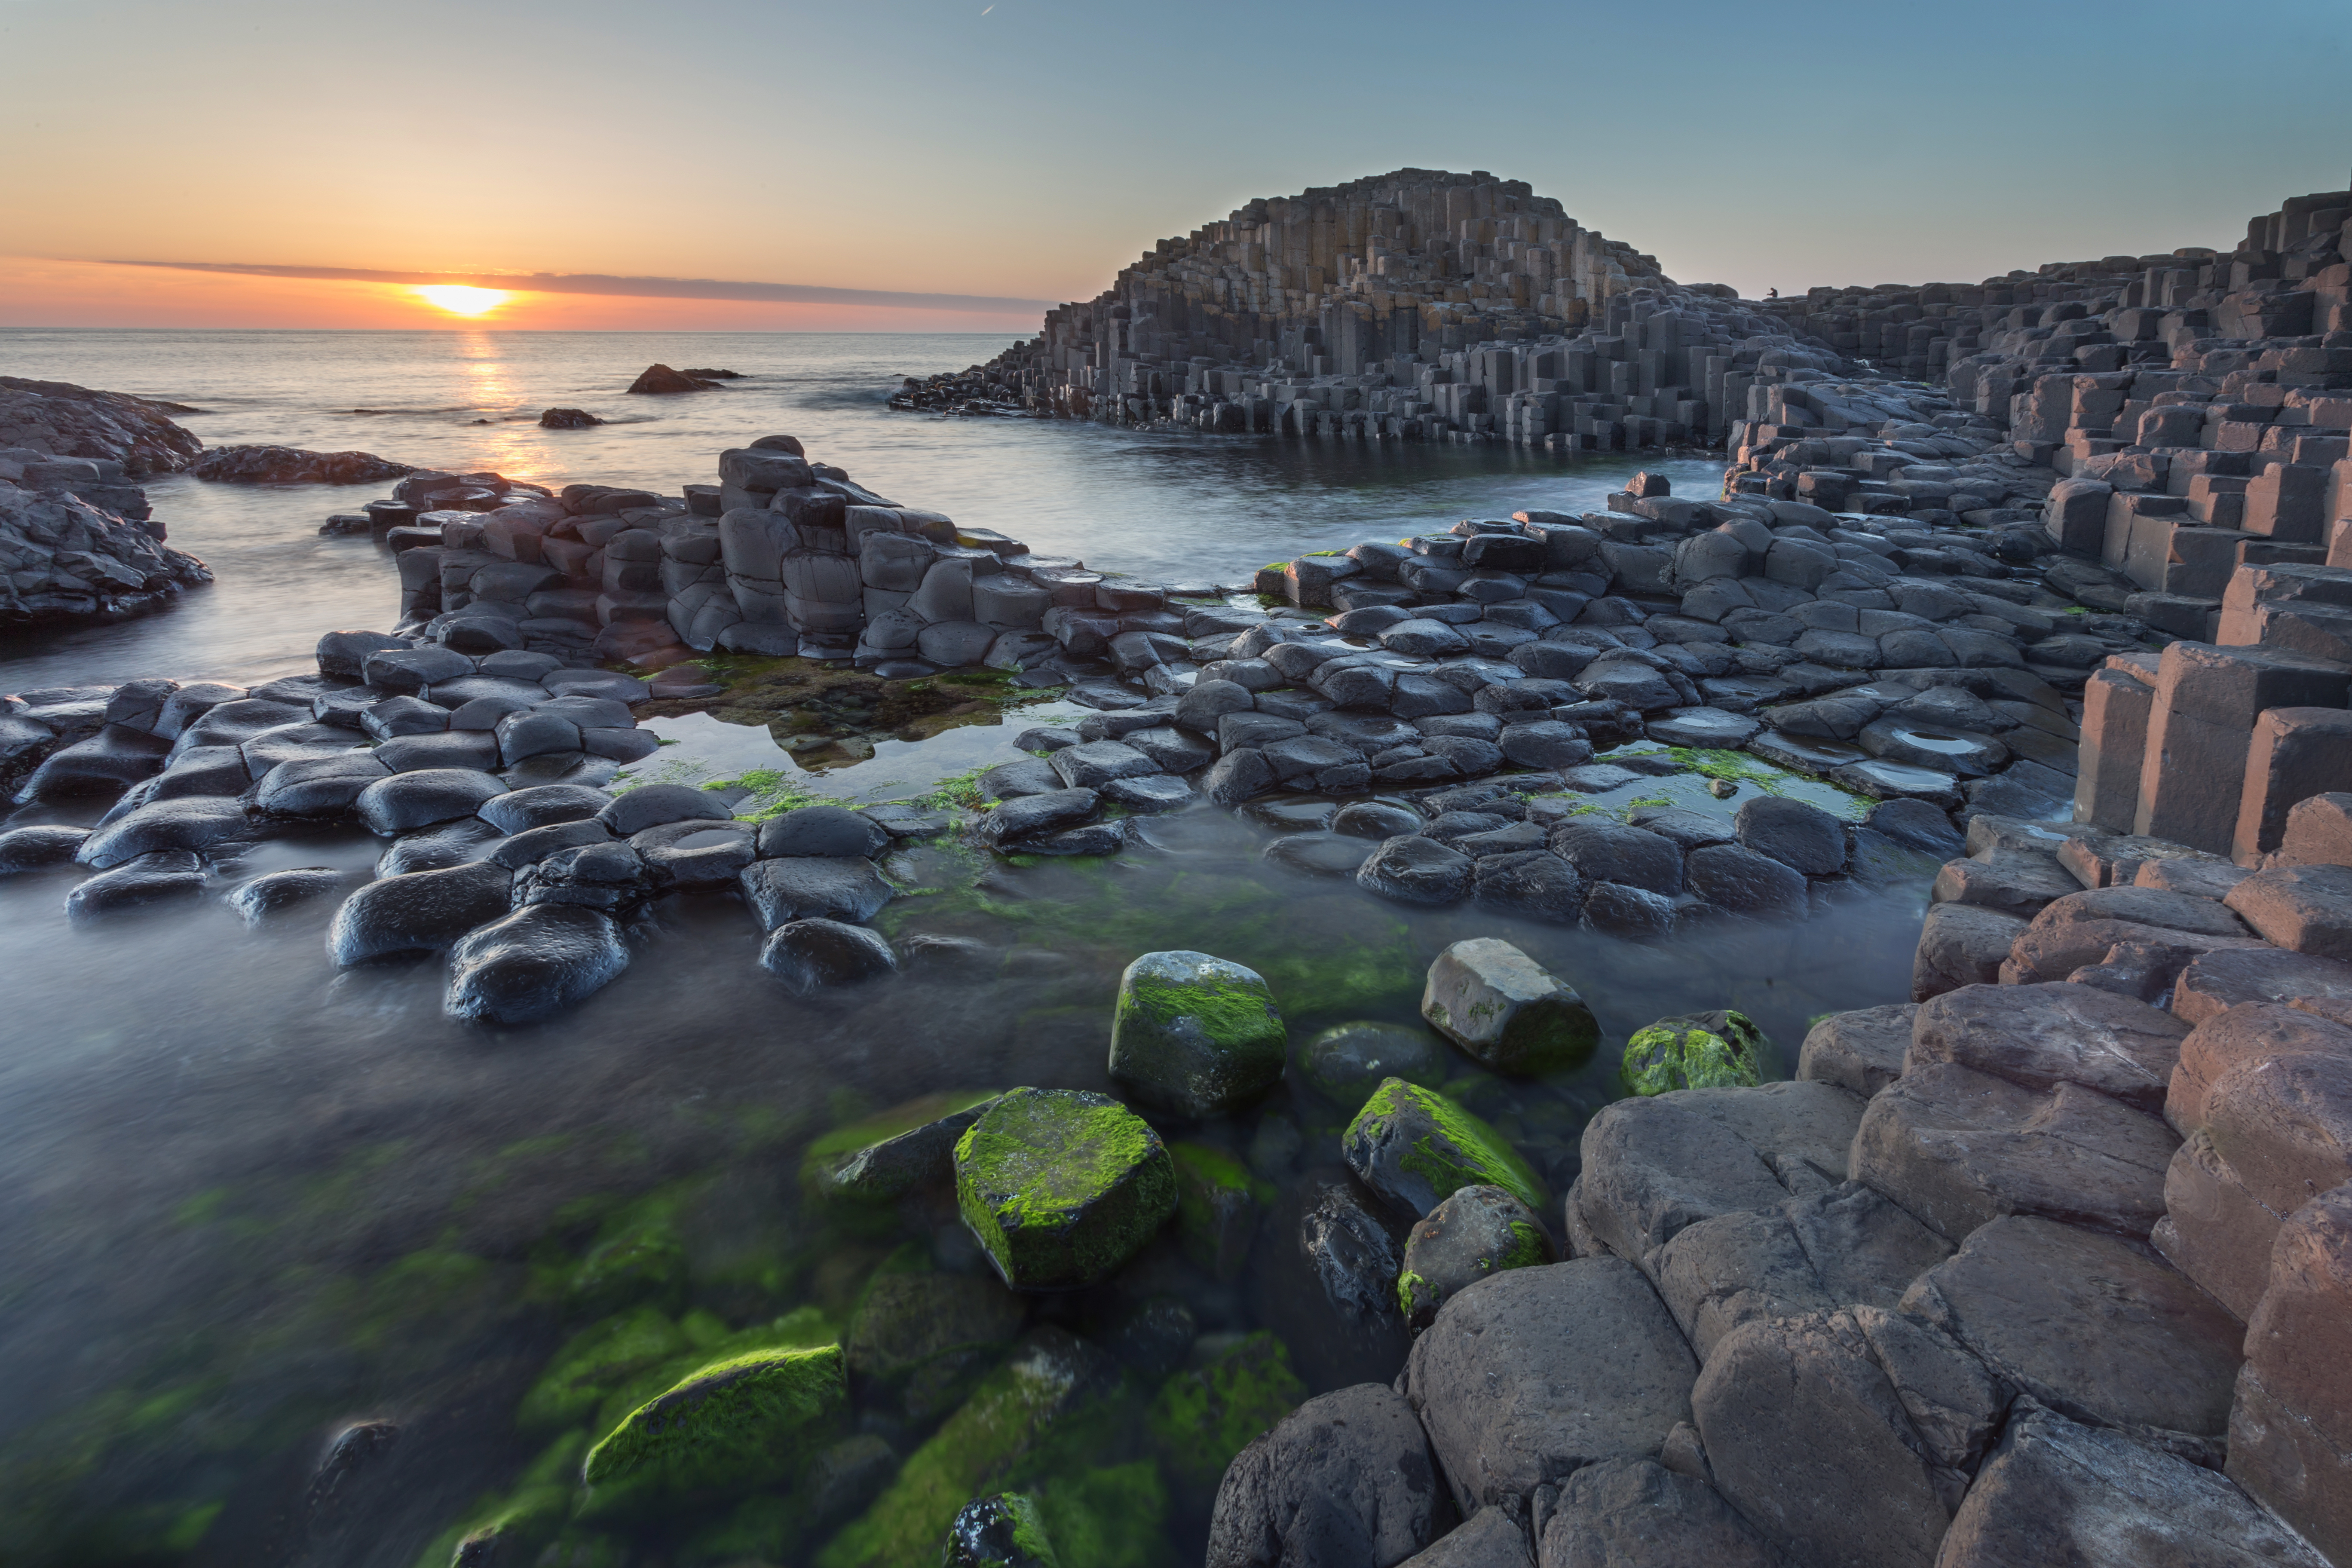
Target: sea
247 1201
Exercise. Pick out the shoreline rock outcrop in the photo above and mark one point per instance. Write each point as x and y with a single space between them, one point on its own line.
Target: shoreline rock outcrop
292 466
67 421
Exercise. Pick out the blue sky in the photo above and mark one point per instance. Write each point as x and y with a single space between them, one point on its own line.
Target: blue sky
1030 148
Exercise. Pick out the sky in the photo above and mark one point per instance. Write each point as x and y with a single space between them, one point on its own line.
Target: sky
1020 152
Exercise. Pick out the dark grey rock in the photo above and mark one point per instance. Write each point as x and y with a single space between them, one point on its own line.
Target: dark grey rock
148 879
540 805
844 889
419 912
1627 911
1475 1233
1347 1480
2090 1325
1858 1487
608 877
538 961
1150 795
1605 851
1743 882
106 763
1320 854
316 787
1535 1373
1803 837
650 806
396 716
1375 819
1416 870
408 801
458 843
1346 1062
2055 1491
536 844
810 955
467 749
1028 816
1491 1539
822 831
1860 1051
37 848
1636 1513
200 824
258 898
1533 884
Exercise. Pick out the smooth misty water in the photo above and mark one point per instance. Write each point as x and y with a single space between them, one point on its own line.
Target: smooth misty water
250 1199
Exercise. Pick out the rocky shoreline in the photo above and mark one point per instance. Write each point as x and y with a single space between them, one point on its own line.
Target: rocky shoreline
2049 1264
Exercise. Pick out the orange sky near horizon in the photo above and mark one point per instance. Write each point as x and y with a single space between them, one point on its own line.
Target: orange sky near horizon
37 292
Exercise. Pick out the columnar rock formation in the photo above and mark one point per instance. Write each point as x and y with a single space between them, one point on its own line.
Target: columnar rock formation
1415 305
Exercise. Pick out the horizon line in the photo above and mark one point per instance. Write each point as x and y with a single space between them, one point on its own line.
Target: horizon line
602 283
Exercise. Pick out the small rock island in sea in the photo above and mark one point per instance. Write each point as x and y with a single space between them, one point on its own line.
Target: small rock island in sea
2049 578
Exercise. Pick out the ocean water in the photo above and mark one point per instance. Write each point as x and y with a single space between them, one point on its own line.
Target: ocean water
249 1200
1176 504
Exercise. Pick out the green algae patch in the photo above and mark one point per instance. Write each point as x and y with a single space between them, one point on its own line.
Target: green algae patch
1061 1188
1112 1516
1205 1414
1705 1050
584 1371
732 1427
1053 1380
643 1262
1195 1034
1416 1148
1217 1204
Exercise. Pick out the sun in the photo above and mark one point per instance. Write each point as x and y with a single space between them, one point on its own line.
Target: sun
460 300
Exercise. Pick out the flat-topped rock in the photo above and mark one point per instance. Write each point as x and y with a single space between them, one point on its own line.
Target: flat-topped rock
2057 1492
1654 1165
1959 1148
2039 1036
1526 1376
2087 1323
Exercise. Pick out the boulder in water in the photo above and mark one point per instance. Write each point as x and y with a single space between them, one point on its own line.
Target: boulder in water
1061 1187
1194 1034
539 960
659 379
568 418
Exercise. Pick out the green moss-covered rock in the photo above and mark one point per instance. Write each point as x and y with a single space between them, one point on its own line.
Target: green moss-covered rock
1052 1380
1217 1202
593 1363
1416 1148
1195 1034
888 1154
1207 1414
1001 1532
706 1341
1061 1188
731 1426
927 1336
1508 1011
1476 1233
1722 1049
1347 1061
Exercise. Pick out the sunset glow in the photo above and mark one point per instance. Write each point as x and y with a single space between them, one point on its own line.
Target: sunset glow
460 300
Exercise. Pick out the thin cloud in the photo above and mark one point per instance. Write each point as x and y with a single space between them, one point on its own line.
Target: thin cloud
639 287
